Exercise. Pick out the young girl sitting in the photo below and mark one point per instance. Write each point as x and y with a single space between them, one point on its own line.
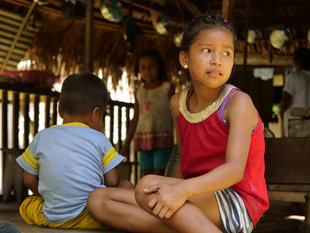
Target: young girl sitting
221 141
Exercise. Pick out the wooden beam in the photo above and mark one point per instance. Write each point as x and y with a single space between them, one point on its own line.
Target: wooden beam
89 37
228 9
225 8
246 31
263 60
22 26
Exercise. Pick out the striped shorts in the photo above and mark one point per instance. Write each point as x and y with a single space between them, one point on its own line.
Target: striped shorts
234 215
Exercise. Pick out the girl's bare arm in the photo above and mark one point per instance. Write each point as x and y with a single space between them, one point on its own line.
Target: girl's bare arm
242 118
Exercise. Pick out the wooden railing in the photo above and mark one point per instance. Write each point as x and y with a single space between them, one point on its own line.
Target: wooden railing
25 111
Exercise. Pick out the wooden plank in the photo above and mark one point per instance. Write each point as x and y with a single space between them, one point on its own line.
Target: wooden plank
19 44
225 8
255 59
55 111
111 123
300 112
25 88
22 26
14 56
287 160
47 110
289 187
89 37
119 123
9 31
17 51
4 118
7 20
26 119
11 62
36 113
228 9
287 196
15 125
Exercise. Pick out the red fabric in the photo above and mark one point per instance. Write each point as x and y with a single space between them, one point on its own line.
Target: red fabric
149 141
40 78
204 148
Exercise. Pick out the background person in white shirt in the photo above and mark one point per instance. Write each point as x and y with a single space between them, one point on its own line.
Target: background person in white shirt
296 92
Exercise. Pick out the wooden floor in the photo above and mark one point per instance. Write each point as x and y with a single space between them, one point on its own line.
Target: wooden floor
9 212
282 217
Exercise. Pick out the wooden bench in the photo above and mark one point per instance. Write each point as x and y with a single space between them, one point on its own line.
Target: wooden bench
288 172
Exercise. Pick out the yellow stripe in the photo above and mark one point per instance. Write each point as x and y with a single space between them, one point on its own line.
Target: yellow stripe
106 156
32 159
110 158
110 151
72 124
29 162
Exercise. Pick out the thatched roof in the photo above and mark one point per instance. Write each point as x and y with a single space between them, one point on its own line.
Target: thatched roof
58 44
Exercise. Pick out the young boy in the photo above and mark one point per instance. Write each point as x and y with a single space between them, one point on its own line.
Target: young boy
71 169
64 163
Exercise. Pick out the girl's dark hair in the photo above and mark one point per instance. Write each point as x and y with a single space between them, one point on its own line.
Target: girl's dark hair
81 93
302 55
158 58
204 22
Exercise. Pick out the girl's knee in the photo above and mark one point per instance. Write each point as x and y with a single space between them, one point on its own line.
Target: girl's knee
143 183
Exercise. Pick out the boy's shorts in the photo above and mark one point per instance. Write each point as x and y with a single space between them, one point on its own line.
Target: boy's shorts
234 214
156 158
31 211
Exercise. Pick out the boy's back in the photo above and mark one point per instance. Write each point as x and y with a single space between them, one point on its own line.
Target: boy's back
65 163
70 161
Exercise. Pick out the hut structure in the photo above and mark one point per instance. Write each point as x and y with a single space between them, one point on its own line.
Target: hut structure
50 39
64 36
57 35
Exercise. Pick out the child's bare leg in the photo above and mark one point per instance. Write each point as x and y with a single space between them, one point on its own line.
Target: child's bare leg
199 214
117 208
126 184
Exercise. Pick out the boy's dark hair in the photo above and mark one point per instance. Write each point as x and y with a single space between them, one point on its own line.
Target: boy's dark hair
158 58
204 22
81 93
302 55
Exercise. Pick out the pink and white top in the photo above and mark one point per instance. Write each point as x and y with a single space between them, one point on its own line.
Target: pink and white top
154 128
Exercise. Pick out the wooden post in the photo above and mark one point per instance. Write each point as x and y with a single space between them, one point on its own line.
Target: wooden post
305 227
16 108
225 8
89 36
245 54
246 32
4 120
228 7
26 119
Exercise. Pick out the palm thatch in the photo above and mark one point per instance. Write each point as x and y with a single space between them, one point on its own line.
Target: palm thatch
59 45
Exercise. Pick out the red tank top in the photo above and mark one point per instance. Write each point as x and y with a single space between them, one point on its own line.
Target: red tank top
204 139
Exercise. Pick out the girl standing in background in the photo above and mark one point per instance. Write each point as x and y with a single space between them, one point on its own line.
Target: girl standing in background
151 126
